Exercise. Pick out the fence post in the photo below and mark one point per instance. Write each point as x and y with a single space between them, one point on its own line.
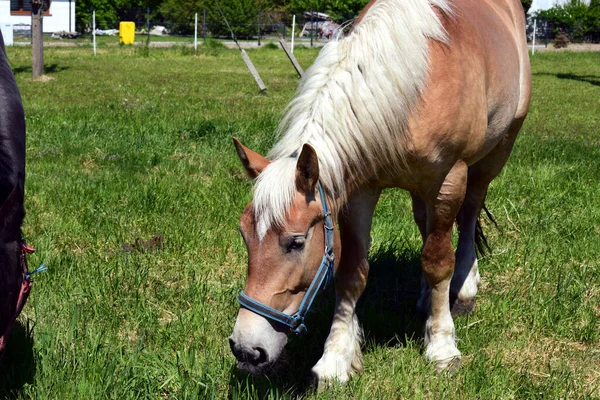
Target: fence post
196 33
148 26
534 32
94 30
293 30
37 38
204 26
312 27
284 19
91 23
258 27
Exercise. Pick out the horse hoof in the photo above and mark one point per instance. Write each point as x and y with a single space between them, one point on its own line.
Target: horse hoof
448 366
462 307
322 381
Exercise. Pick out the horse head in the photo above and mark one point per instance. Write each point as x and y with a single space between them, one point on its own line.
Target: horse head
285 259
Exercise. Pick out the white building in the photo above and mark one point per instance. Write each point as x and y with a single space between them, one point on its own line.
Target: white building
60 15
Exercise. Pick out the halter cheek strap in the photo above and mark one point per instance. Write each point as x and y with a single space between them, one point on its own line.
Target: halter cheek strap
322 279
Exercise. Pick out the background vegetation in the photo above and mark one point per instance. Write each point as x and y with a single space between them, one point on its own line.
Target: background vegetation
577 19
178 15
133 196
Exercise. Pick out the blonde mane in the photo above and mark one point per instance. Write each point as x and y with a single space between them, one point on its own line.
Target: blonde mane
353 104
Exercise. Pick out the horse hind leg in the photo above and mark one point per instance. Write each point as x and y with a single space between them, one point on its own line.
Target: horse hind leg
342 354
437 260
466 278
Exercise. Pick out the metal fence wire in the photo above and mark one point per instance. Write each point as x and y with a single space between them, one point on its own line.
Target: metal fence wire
547 31
313 25
275 23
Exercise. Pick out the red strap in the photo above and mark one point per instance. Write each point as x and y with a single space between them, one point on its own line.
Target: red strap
25 248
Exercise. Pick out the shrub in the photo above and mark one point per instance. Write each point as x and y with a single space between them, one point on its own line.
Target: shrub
561 41
210 43
241 15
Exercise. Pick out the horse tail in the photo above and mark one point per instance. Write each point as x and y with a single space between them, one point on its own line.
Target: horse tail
481 242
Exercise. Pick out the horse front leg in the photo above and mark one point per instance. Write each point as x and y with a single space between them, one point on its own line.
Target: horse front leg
342 354
437 260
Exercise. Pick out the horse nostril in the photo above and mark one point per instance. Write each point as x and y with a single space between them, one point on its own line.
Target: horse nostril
262 356
232 346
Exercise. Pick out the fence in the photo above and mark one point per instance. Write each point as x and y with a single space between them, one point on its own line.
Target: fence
254 25
547 31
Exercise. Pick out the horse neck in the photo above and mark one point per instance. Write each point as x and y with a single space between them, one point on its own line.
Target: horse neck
354 102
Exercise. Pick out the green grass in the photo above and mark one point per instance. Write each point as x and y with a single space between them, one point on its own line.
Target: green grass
122 147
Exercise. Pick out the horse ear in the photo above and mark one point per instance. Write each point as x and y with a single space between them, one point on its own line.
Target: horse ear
251 160
307 169
11 212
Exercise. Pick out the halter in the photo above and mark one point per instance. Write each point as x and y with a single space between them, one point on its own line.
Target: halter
322 279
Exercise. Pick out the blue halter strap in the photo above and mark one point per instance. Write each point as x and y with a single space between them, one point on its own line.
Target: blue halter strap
322 279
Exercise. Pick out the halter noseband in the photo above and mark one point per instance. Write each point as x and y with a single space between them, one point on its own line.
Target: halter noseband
322 279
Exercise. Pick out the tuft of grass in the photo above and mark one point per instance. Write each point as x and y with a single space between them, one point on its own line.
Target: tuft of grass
124 149
211 43
143 50
270 46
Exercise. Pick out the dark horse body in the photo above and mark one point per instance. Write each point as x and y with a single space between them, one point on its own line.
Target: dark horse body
14 286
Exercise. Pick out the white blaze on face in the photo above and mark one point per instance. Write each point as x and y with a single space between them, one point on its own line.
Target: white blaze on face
273 194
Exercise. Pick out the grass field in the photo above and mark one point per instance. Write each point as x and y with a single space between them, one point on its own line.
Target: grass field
124 148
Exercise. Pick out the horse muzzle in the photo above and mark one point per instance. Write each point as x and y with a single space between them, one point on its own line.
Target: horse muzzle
256 343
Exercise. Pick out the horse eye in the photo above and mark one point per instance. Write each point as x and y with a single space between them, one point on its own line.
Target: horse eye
297 243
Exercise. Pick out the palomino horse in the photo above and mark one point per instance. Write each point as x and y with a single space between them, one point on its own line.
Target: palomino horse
425 95
15 280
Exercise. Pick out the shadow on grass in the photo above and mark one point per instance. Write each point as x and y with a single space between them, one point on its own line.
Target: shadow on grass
17 367
386 311
48 69
591 79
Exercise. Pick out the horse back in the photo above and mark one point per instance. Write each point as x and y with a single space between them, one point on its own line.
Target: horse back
478 83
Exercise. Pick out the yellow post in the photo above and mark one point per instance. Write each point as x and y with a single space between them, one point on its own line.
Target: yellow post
127 32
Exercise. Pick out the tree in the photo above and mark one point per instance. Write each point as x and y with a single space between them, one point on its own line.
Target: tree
241 14
577 19
339 10
110 12
526 5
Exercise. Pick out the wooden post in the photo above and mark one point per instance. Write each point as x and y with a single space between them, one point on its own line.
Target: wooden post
312 27
148 27
258 27
204 26
253 71
290 55
247 60
37 39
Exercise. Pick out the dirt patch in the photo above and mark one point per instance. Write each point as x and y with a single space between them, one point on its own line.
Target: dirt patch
44 79
142 246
